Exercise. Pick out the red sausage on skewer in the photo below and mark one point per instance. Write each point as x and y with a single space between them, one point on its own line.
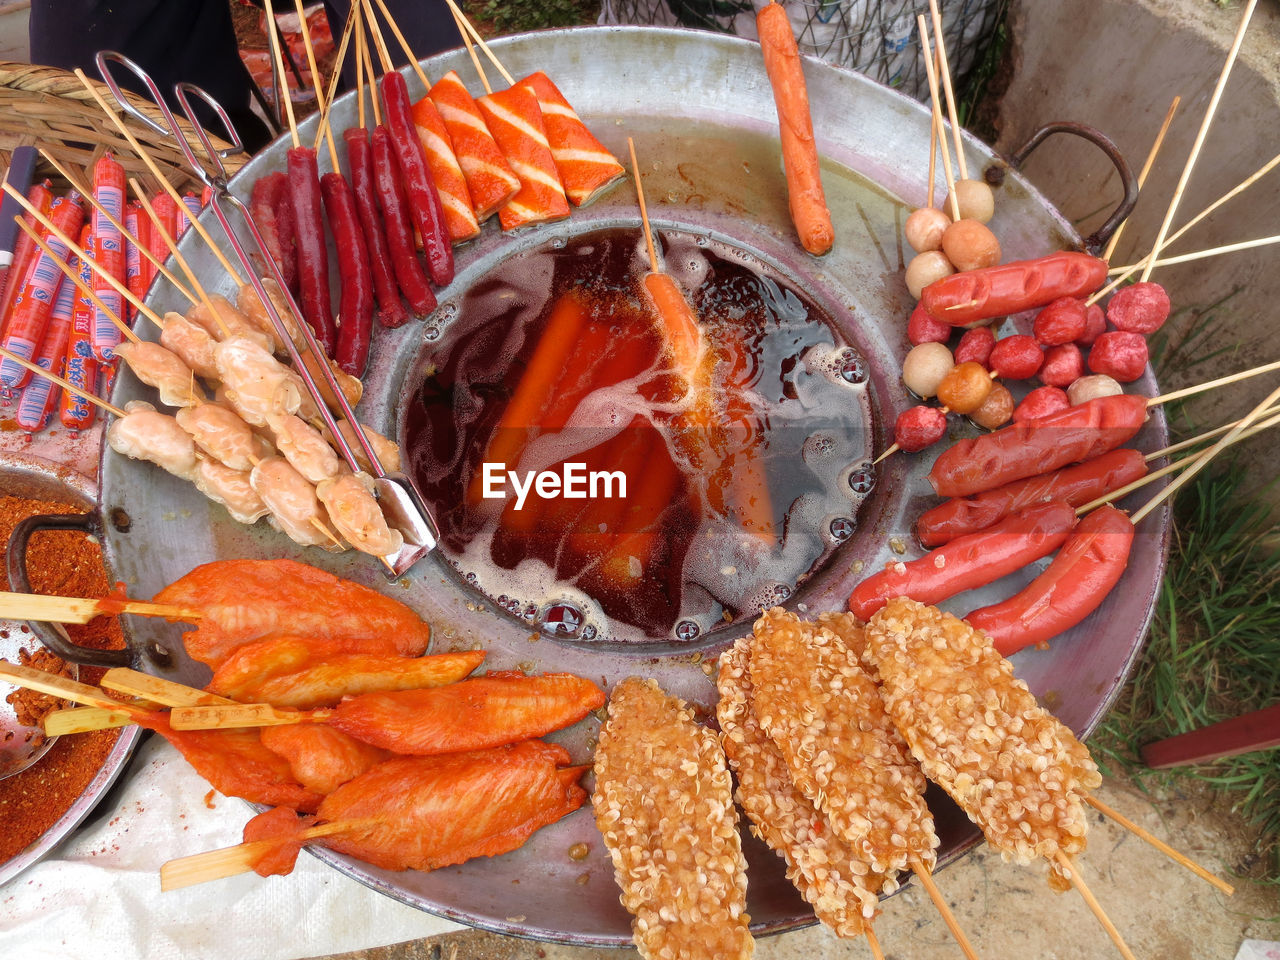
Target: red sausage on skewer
24 252
1071 587
269 206
424 201
1075 485
395 218
1037 446
356 306
313 257
969 561
983 294
391 312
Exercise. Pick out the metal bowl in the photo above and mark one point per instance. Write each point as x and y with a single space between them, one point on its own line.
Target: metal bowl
701 110
36 479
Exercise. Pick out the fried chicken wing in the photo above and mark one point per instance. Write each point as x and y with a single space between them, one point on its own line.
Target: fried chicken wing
664 804
498 708
321 758
244 601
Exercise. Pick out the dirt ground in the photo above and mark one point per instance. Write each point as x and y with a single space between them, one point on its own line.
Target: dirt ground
1161 909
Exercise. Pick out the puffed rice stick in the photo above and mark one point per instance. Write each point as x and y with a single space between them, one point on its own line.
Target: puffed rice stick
838 883
823 711
664 804
978 732
818 704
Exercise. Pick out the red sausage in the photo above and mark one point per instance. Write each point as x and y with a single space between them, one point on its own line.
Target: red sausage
313 257
287 231
395 217
1140 308
356 307
969 561
24 252
1074 584
1075 485
1025 449
424 201
990 292
391 312
266 203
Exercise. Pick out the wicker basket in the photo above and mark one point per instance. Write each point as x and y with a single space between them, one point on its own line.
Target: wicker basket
49 108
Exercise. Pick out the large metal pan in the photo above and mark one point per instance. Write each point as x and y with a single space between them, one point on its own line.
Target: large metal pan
701 111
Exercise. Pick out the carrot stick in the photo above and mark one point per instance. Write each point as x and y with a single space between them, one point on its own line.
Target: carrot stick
808 206
535 389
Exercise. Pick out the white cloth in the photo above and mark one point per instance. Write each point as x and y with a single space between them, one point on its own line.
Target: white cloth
98 895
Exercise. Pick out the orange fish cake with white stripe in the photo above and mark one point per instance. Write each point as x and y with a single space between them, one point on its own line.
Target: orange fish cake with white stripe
515 120
451 183
586 168
490 180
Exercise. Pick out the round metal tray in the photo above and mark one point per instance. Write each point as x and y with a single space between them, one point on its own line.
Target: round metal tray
701 111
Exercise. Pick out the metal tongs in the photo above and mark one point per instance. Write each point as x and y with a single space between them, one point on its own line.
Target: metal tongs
402 505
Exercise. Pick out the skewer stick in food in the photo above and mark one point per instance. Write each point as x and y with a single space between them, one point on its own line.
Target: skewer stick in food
323 129
142 248
273 36
937 115
147 159
172 246
1209 112
1072 873
55 686
471 50
949 918
468 29
74 277
73 720
317 85
1234 191
404 45
1199 254
944 71
64 384
231 861
52 609
1142 175
1197 440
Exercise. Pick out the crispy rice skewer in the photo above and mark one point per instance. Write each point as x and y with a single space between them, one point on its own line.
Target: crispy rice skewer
822 709
978 733
835 880
664 805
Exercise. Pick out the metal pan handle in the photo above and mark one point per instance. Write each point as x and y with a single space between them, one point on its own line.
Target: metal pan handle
1098 239
54 636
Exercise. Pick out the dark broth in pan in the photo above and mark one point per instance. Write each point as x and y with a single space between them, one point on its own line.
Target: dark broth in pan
734 493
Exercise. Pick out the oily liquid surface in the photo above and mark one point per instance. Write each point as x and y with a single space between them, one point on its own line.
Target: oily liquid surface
736 489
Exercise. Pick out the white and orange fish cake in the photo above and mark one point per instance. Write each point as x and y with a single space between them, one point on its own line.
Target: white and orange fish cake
664 804
586 168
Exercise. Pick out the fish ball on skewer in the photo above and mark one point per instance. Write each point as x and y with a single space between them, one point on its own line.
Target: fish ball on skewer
925 268
355 512
975 199
191 343
232 489
162 369
295 510
304 447
924 229
224 435
145 434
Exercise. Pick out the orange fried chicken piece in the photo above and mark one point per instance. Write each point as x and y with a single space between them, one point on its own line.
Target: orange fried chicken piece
320 757
236 763
423 813
498 708
286 672
280 824
247 600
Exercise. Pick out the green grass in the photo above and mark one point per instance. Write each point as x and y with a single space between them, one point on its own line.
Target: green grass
1213 652
516 16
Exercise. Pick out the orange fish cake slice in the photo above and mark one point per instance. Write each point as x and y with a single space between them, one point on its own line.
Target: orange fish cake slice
451 183
586 168
490 180
515 120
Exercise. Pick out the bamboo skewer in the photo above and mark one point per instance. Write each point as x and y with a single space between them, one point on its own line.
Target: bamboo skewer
115 222
158 690
239 715
873 944
327 103
404 45
379 41
1197 440
316 84
72 720
945 71
75 248
56 686
1198 255
147 159
367 55
937 115
471 51
469 28
356 11
64 384
273 36
926 880
1213 384
1142 175
1160 845
1233 192
933 159
172 246
1209 112
50 609
1077 881
76 279
230 861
